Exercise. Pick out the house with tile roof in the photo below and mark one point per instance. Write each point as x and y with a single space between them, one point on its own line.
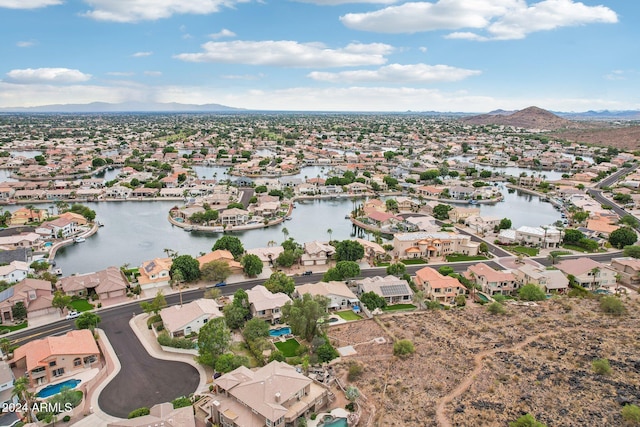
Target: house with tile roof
163 415
421 244
628 268
14 272
221 255
317 253
267 255
55 357
492 281
35 294
443 289
155 273
588 273
339 295
548 280
183 320
275 395
107 284
391 288
266 305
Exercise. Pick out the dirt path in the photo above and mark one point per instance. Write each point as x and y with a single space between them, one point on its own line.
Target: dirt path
441 416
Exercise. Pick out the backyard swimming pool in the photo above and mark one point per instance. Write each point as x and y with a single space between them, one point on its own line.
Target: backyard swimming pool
52 389
278 332
334 422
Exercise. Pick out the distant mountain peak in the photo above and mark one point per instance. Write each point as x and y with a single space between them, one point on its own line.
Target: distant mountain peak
528 118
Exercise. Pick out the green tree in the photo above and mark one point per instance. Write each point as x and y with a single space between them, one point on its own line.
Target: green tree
215 271
230 243
505 224
342 270
88 320
580 216
302 314
371 300
229 361
623 236
632 251
441 211
531 292
496 308
526 421
403 348
280 282
326 352
349 250
286 258
629 220
25 397
631 414
251 264
155 305
234 315
572 236
61 301
483 248
140 412
213 341
391 205
445 270
254 329
19 311
188 265
397 269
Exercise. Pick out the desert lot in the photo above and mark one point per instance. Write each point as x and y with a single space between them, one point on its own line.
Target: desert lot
472 368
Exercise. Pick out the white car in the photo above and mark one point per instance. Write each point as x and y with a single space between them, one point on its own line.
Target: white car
72 315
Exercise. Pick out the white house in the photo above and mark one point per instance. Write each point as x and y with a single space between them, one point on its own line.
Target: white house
189 318
14 272
339 295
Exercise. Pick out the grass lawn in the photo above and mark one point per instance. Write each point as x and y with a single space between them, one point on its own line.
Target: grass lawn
81 305
525 250
288 348
397 307
456 258
348 315
575 248
382 264
12 328
413 261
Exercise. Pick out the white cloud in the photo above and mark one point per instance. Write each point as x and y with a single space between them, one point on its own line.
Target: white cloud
287 53
151 10
47 75
615 75
28 4
222 33
120 73
337 2
397 73
242 76
25 44
501 19
153 73
141 54
423 49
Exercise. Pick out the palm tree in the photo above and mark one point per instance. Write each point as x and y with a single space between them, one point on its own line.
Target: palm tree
329 231
21 391
594 272
271 243
553 257
285 232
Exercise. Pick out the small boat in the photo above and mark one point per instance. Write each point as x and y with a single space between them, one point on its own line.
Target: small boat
288 218
78 240
99 224
57 272
188 228
473 202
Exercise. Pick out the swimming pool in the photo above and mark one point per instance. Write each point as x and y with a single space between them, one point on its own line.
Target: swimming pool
278 332
335 422
52 389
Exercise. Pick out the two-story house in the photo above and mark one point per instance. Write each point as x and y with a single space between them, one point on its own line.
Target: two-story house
588 273
35 294
317 253
492 281
339 295
265 305
443 289
628 268
155 273
275 395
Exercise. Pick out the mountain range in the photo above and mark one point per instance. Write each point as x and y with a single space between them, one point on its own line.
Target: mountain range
124 107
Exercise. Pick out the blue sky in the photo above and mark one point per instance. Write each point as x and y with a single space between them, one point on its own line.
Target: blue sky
331 55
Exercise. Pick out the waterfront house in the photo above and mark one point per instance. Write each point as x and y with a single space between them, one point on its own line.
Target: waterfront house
429 191
155 273
25 240
339 295
492 281
267 255
221 255
422 244
266 305
275 395
628 268
391 288
543 237
14 272
117 192
437 287
52 358
482 224
588 273
316 253
77 218
183 320
58 228
548 280
234 216
35 294
107 284
22 216
143 192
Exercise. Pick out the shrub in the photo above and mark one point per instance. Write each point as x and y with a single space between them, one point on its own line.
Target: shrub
631 414
531 292
601 366
496 308
403 348
350 406
313 416
140 412
612 305
181 402
66 418
165 340
153 319
526 421
355 371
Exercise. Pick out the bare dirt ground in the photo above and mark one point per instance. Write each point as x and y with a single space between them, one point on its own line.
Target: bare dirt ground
624 138
472 368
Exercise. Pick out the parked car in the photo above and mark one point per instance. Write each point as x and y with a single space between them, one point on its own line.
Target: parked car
72 314
307 273
220 284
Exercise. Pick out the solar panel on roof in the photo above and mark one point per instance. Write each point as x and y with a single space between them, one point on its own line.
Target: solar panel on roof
150 266
6 294
392 290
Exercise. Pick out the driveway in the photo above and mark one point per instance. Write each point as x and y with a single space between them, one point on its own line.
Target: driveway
142 380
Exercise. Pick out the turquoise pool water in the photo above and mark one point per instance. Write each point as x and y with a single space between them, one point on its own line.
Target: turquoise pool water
338 422
278 332
483 297
52 389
